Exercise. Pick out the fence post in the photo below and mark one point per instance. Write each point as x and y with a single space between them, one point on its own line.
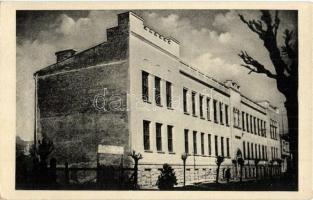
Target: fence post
53 170
67 177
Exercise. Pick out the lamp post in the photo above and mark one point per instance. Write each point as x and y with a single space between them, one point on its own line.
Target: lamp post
184 157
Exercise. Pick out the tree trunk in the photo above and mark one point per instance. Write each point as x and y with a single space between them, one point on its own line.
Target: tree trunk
240 173
217 174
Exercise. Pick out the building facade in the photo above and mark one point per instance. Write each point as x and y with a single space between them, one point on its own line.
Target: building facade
135 92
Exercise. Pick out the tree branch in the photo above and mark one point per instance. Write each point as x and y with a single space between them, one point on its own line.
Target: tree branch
254 66
255 26
287 48
276 23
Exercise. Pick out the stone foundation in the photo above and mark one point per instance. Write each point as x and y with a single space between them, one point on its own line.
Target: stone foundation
148 174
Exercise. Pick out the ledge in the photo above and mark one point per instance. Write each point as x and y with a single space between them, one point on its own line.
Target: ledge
194 115
171 152
148 151
160 105
147 101
202 118
162 152
170 108
186 113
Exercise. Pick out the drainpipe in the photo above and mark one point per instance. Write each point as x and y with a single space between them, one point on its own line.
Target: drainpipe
35 114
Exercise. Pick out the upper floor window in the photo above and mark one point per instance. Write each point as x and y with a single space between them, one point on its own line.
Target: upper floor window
243 120
168 94
221 112
185 92
247 122
258 126
201 105
254 125
193 101
215 110
157 90
208 108
226 114
251 120
145 86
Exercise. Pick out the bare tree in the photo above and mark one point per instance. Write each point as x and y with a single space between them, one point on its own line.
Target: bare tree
285 62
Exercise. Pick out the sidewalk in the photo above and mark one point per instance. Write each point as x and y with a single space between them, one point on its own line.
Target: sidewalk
274 184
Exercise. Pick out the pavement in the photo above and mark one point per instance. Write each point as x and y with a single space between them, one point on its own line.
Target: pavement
270 184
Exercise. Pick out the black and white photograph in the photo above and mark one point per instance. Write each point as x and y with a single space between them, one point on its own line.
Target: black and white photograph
157 99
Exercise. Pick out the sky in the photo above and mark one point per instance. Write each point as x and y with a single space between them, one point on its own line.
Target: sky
210 41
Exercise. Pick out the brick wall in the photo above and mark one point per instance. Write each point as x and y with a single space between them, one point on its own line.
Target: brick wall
68 116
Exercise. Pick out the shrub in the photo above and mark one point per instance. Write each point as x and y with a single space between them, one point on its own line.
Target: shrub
167 178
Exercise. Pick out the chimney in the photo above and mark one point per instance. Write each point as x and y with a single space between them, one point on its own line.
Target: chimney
62 55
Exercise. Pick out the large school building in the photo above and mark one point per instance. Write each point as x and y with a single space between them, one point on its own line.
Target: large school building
133 91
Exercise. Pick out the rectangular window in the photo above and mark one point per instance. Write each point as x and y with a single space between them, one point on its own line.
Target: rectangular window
201 105
247 122
221 112
214 110
259 152
252 154
216 146
244 149
157 90
193 101
146 135
186 141
208 108
195 142
168 94
158 128
222 146
251 129
226 114
170 138
202 143
145 86
243 120
254 125
264 129
258 126
185 91
263 152
248 148
227 147
256 150
209 144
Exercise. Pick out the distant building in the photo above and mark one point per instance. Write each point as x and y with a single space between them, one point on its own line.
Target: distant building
285 153
135 92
